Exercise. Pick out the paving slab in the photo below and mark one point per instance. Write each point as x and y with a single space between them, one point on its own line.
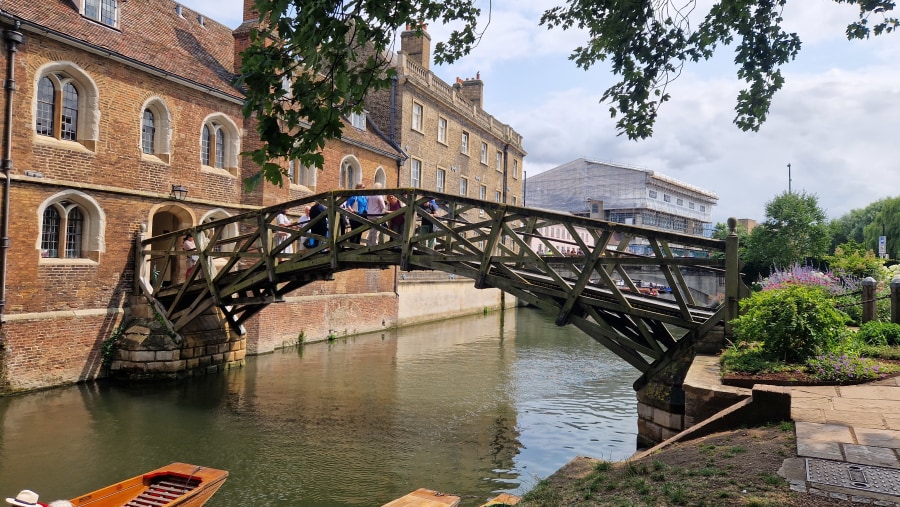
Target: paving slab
855 418
871 455
815 415
878 438
814 432
871 392
824 450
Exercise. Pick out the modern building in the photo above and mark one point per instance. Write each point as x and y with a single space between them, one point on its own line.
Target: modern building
623 194
453 145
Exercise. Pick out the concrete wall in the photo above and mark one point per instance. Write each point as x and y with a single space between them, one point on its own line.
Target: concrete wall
421 294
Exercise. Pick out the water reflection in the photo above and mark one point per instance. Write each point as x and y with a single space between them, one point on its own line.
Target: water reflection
469 406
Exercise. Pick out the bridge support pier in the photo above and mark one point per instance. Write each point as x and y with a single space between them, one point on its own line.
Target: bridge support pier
146 350
661 399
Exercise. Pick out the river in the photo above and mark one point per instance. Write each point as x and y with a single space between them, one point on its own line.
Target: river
470 406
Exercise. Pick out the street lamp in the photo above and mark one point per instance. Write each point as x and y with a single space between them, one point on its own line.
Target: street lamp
179 192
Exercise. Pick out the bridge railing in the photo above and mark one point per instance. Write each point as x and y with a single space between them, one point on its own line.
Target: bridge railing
582 269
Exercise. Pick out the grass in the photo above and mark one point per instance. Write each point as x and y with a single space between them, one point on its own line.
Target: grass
735 468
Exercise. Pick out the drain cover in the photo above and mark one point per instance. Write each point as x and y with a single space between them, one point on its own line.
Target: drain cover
849 475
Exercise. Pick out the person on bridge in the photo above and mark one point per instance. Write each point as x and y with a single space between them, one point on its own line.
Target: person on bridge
282 236
396 223
188 245
359 204
319 228
377 207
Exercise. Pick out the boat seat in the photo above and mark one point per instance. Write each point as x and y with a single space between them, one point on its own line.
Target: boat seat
161 493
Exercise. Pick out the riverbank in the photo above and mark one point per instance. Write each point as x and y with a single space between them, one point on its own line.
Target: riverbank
841 449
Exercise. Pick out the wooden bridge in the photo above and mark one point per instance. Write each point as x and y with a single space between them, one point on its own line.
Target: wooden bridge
245 263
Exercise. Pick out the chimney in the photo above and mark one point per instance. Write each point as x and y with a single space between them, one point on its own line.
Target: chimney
416 46
471 89
250 11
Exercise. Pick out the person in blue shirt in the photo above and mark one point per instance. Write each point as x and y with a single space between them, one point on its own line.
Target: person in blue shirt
360 205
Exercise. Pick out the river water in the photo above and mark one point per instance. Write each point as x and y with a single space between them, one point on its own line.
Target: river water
471 406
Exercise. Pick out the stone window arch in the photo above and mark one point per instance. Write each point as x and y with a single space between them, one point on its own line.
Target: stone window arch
380 177
66 105
156 129
220 144
71 225
351 172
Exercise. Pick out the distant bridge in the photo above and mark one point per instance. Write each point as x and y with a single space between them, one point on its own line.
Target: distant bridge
243 266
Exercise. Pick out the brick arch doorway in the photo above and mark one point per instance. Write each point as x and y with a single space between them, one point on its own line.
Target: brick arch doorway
167 218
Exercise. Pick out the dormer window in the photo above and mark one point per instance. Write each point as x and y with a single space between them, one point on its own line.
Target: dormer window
358 120
104 11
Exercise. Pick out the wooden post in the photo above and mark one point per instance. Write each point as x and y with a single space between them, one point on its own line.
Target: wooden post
895 300
732 276
869 311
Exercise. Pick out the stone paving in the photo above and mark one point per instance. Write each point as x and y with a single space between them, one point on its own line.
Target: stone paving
853 425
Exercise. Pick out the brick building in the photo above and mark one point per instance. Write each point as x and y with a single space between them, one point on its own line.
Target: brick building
115 104
453 145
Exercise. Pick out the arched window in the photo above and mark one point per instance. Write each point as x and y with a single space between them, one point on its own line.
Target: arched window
156 135
62 231
148 131
219 146
380 177
55 117
72 227
206 143
46 104
351 172
67 105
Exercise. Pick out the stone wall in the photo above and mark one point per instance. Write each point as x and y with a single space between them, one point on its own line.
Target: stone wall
421 293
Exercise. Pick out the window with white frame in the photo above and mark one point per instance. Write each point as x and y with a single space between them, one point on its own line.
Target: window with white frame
104 11
464 143
70 227
219 145
440 180
691 205
358 120
514 201
442 130
351 172
484 153
679 202
66 107
299 174
463 186
703 207
497 196
380 177
515 169
415 172
652 194
667 198
155 130
417 114
482 192
499 165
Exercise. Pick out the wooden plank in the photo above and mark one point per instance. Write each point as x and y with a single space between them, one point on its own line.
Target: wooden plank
424 498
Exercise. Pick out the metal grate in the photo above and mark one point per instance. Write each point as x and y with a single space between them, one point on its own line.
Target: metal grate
849 475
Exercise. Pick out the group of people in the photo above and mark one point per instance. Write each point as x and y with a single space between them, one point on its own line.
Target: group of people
360 207
28 498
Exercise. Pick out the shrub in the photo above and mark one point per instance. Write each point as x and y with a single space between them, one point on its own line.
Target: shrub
792 322
880 333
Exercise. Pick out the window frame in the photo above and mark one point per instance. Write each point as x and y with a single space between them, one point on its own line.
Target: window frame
484 150
415 173
358 120
219 145
418 117
463 186
442 128
440 180
102 14
464 143
499 161
77 238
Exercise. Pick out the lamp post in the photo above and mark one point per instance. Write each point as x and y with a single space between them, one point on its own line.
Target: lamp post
179 192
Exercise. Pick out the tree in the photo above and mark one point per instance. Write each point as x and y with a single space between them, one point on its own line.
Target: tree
314 60
648 41
886 221
795 230
850 226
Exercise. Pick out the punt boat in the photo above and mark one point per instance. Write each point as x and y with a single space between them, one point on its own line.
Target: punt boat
175 485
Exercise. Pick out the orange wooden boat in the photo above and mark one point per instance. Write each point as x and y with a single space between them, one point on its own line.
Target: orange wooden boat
178 484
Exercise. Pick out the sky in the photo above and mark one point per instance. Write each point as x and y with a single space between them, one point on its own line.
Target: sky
833 121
